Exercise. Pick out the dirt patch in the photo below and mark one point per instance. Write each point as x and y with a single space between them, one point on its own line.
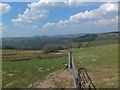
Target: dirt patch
94 60
59 79
10 75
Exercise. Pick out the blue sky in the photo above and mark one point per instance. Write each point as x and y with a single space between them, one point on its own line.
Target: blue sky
25 19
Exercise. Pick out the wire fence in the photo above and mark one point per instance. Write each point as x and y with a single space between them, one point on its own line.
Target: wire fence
85 81
81 78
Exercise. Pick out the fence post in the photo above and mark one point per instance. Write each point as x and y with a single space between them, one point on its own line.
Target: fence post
70 59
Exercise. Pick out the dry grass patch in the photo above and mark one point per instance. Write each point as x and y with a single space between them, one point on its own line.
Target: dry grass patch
19 55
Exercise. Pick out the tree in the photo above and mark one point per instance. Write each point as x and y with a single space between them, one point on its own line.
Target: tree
8 47
52 48
74 45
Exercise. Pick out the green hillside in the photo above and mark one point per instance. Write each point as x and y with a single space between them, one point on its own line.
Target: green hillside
103 42
33 42
40 42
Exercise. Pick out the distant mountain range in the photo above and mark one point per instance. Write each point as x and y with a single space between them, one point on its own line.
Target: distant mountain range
38 42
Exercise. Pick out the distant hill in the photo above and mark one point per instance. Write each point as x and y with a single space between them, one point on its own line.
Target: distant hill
96 37
39 42
33 42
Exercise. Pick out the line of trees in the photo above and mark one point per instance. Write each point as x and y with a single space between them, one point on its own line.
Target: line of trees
55 48
7 47
18 48
52 48
48 47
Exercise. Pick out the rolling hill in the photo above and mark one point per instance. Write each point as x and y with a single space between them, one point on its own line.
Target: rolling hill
39 42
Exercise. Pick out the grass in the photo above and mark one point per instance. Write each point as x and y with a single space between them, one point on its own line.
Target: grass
101 63
103 42
23 74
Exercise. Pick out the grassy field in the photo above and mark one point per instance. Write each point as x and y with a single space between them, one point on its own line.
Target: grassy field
103 42
25 73
22 69
101 63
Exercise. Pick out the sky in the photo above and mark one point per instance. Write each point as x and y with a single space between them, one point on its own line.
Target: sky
46 18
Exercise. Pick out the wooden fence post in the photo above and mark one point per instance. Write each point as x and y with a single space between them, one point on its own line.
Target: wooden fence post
70 59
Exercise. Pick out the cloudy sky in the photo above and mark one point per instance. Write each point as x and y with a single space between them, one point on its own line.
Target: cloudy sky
25 19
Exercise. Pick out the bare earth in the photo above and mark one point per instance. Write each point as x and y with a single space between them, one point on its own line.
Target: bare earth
59 79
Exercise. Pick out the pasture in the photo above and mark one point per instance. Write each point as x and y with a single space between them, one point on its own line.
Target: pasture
23 68
103 42
101 63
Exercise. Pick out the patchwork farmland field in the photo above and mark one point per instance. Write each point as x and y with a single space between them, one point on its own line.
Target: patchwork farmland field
101 63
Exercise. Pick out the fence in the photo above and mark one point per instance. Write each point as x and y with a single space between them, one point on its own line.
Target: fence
80 76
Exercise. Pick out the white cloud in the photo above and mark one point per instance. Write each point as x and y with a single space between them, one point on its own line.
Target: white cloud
40 10
100 13
4 8
47 4
103 9
105 21
2 26
30 15
105 14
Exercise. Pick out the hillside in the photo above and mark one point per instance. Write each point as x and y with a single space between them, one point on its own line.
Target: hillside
33 42
96 37
39 42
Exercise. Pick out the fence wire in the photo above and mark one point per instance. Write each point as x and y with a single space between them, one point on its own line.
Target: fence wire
81 78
